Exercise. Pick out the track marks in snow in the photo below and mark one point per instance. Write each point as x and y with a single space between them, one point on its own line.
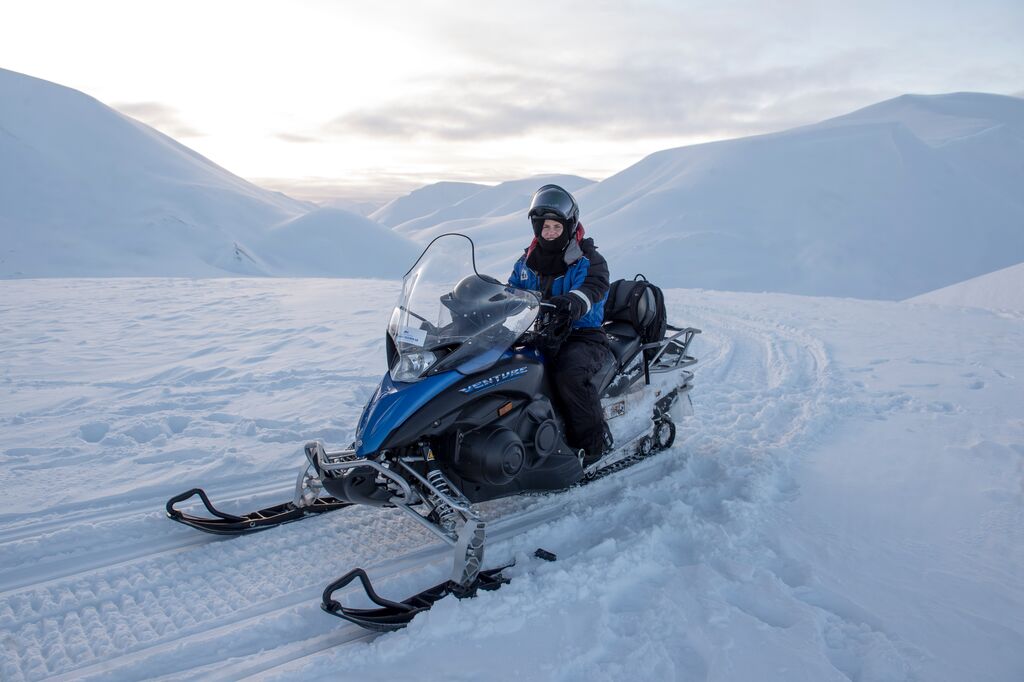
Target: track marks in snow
688 540
165 596
149 362
804 396
129 594
760 394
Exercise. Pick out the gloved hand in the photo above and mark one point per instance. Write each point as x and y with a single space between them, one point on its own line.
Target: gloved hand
558 323
556 331
570 305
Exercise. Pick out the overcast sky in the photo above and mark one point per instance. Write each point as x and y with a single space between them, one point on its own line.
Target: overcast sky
364 99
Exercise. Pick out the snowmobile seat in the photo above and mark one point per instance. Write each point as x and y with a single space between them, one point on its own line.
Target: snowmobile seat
624 341
603 377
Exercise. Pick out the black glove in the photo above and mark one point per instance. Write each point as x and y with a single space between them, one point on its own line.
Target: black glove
570 305
557 324
556 331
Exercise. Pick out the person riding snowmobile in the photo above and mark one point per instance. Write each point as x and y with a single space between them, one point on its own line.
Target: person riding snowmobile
465 415
569 273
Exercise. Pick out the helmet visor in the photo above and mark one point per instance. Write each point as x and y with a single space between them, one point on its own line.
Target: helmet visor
552 201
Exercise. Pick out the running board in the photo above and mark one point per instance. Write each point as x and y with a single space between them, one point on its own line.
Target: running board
229 524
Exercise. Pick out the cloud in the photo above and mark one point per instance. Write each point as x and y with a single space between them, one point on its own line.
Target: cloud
703 70
161 116
626 100
296 138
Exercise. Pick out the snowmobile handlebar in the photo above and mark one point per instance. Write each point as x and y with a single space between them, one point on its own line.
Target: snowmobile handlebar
549 328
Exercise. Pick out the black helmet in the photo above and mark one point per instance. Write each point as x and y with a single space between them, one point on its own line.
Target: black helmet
553 202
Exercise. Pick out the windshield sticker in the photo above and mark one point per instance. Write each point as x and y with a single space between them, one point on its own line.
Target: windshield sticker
413 337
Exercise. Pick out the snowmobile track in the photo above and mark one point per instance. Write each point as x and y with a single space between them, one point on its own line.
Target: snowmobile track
247 628
124 543
127 509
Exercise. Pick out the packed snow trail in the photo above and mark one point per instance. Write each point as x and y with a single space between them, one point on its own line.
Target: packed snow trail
69 571
883 541
117 394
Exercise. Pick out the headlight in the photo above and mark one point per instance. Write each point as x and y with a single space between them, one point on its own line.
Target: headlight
412 365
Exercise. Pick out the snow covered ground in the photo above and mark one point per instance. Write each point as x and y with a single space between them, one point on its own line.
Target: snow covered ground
846 503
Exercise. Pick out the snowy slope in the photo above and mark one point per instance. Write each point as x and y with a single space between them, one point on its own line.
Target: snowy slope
363 208
473 214
1000 290
424 201
846 503
897 199
329 241
85 190
891 201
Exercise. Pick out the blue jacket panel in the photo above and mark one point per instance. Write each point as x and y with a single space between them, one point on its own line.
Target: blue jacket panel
583 277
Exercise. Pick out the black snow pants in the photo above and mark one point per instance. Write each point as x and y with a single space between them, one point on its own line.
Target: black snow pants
573 372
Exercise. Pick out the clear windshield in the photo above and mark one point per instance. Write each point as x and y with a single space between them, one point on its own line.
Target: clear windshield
451 317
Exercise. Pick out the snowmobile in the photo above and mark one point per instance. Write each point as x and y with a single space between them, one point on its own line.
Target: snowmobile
465 414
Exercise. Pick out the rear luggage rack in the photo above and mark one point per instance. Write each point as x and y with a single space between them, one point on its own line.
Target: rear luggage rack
674 351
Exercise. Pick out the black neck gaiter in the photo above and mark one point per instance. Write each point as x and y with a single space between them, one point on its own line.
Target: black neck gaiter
549 256
546 262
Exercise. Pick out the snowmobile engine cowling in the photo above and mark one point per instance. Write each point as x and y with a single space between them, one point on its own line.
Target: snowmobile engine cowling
492 455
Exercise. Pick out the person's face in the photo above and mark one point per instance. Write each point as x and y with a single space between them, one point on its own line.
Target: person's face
551 230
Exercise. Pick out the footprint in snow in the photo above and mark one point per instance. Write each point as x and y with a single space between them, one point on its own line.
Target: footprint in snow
93 432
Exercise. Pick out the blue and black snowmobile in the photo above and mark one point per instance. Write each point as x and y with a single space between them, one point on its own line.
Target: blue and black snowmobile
465 414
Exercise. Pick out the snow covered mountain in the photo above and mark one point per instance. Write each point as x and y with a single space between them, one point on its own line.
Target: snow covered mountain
897 199
999 290
363 208
480 209
85 190
888 202
328 241
424 201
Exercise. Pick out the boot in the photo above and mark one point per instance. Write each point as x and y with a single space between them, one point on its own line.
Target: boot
598 447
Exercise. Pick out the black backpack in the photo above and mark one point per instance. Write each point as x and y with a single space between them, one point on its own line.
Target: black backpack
643 305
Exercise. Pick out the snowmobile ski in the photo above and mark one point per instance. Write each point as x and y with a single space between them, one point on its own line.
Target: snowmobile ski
391 615
229 524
